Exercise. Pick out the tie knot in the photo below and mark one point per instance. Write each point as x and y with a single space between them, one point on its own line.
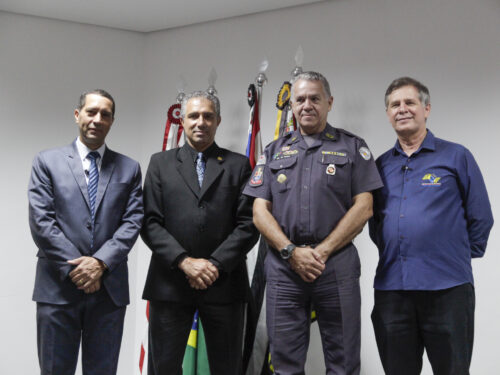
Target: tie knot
94 155
201 157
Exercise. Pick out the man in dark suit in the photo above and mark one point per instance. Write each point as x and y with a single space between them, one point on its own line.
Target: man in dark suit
85 213
199 228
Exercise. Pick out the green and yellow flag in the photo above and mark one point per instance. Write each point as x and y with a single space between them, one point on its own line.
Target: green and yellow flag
195 358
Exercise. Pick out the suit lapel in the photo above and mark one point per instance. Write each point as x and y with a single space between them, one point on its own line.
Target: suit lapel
187 170
107 167
75 165
213 170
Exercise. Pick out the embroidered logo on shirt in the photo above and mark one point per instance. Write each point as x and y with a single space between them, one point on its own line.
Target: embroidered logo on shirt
365 153
257 177
430 179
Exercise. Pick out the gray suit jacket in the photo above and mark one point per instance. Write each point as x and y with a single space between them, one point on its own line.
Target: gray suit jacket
60 221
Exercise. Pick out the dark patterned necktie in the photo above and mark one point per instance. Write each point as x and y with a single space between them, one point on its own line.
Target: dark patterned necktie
93 181
200 167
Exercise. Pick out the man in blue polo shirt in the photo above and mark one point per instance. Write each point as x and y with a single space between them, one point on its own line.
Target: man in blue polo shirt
430 218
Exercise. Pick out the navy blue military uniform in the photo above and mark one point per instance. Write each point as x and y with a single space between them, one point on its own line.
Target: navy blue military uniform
311 188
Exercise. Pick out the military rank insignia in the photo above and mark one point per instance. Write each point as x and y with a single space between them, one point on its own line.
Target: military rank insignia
330 169
257 177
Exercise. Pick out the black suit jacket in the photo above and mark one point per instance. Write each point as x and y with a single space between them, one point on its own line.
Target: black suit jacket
214 221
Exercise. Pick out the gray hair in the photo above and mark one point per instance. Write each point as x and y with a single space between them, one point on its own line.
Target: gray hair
100 92
314 76
200 94
423 92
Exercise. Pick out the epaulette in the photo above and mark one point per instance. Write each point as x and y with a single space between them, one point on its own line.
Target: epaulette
348 133
280 139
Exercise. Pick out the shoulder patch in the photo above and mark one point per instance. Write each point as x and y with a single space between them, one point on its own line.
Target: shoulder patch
365 153
257 178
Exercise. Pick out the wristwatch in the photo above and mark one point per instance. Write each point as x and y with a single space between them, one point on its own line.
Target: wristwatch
286 252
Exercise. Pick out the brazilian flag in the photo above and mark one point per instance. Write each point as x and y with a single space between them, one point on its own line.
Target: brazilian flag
195 358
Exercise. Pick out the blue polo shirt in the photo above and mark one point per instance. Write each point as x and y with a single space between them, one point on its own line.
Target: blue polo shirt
430 218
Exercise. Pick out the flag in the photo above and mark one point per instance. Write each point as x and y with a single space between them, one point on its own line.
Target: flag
256 345
285 121
173 128
195 358
144 346
254 144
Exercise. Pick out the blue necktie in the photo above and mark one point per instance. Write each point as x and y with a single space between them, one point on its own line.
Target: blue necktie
200 167
93 181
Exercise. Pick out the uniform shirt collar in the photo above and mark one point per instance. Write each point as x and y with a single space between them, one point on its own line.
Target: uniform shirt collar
329 133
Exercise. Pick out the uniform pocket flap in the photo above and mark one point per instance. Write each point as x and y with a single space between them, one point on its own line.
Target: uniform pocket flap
282 163
333 159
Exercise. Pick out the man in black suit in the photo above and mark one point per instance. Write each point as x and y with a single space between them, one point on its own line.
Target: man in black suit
199 227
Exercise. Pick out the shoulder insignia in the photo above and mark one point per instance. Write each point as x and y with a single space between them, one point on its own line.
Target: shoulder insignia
257 176
365 153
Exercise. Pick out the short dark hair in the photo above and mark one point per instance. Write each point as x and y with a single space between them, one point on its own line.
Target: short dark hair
100 92
423 92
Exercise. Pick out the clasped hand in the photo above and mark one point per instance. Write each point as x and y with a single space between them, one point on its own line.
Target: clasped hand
201 273
87 274
307 263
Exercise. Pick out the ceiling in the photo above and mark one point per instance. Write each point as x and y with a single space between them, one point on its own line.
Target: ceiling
144 15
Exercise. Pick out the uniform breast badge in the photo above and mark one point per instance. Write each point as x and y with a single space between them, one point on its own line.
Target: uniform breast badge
330 170
281 178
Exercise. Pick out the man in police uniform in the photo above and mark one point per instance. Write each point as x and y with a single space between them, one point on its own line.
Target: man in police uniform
313 196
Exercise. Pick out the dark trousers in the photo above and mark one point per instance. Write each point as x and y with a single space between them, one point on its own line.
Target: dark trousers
169 327
288 313
95 321
442 322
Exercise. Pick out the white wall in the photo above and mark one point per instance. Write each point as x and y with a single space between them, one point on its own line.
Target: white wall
360 45
44 66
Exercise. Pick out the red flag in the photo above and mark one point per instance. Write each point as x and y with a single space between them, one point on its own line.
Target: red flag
173 128
254 144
